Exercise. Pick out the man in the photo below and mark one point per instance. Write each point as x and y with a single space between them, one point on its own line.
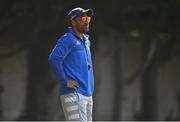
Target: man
71 62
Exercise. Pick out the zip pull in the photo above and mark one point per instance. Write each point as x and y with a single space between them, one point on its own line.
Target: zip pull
89 66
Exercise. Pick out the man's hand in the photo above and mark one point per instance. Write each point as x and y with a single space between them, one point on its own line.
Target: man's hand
72 84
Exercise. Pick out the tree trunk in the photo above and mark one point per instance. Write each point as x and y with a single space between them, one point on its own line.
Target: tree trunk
1 106
148 89
39 84
117 85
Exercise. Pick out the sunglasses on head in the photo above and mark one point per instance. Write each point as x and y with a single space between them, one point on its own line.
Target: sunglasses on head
85 19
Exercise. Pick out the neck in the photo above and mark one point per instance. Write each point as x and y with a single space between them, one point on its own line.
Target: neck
79 34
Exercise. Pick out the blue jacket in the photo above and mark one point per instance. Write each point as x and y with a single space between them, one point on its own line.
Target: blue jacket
71 60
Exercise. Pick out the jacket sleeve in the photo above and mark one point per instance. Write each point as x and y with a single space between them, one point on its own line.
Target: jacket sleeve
57 56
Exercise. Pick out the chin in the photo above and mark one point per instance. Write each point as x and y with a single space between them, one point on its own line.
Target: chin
85 31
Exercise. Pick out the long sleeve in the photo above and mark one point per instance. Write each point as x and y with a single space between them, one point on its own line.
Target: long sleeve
57 56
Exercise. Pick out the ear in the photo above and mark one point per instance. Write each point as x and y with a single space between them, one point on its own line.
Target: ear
73 22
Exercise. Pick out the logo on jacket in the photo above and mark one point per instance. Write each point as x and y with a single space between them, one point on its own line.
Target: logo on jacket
77 42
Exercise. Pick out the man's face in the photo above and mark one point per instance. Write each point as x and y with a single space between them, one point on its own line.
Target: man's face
81 24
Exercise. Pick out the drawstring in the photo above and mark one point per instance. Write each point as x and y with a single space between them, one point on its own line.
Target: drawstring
76 92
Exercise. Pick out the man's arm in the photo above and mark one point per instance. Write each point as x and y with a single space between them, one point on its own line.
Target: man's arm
57 56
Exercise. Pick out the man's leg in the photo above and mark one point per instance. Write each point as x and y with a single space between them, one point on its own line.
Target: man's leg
89 109
83 101
70 106
74 107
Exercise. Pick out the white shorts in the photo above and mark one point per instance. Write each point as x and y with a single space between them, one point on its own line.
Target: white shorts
77 107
